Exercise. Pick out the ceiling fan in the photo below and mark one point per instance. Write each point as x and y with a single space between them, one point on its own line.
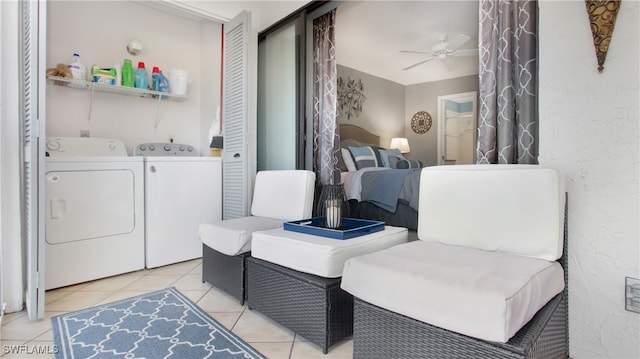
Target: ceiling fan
444 51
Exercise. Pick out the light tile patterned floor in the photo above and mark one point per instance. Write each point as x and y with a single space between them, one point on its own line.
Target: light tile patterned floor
268 337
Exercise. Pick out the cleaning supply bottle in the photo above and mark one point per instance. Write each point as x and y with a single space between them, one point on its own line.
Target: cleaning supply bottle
155 78
163 85
128 77
78 70
160 83
118 69
142 80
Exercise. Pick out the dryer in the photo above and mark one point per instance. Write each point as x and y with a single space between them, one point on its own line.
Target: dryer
182 190
94 225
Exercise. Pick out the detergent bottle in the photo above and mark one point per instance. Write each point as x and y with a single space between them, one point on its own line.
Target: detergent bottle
142 80
77 68
159 82
128 76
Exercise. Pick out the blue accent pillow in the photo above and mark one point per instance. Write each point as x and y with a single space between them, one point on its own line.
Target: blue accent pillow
364 156
405 163
385 154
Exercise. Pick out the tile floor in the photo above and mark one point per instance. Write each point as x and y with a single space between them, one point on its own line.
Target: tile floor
268 337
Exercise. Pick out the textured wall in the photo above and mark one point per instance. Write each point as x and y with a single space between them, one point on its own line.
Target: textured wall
589 130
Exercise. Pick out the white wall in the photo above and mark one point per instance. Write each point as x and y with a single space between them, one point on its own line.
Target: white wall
589 130
99 31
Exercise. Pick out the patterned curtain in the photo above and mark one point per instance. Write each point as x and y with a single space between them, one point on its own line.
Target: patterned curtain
325 128
507 121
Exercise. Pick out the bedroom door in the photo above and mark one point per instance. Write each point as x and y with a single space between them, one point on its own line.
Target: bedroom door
457 127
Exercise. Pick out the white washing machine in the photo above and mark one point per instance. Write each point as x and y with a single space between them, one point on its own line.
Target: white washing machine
94 226
182 190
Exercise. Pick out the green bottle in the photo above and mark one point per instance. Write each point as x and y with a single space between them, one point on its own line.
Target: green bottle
128 76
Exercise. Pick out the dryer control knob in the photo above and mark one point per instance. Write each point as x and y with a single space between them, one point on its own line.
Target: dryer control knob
167 147
53 145
152 148
189 148
181 148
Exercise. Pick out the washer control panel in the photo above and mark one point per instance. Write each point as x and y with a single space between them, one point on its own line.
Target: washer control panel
164 149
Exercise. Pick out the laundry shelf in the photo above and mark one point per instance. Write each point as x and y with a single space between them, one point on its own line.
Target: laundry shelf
121 90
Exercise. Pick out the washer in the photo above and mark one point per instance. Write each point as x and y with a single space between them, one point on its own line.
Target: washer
94 225
182 190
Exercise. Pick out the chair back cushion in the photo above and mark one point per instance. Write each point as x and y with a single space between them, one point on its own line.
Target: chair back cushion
284 194
516 209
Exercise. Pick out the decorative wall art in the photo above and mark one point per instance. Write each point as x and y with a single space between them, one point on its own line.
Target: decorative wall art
350 97
602 17
421 122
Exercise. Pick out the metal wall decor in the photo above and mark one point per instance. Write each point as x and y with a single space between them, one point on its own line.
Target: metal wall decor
350 97
421 122
602 17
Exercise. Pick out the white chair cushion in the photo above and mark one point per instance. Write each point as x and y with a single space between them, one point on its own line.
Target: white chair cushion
486 295
317 255
286 194
233 236
508 208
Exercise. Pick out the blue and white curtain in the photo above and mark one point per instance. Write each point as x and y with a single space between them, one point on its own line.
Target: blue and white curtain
325 127
507 119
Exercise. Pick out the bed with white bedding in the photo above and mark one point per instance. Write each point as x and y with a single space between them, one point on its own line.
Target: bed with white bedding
380 184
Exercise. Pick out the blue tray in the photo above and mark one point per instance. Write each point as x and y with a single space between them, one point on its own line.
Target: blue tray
351 227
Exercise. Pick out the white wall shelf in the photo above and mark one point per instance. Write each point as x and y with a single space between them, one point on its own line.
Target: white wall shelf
121 90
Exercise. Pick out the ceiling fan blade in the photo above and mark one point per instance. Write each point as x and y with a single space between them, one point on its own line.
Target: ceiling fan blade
416 64
415 52
465 52
458 41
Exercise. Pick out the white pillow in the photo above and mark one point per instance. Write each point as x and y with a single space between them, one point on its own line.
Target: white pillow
348 160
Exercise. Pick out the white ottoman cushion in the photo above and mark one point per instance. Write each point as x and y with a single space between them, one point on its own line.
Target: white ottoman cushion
486 295
317 255
233 236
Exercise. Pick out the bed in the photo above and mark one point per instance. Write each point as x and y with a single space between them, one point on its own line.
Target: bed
384 188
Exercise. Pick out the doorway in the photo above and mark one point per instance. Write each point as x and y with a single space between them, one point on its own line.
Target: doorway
457 128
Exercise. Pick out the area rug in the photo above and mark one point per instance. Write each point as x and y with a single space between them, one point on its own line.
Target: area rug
161 324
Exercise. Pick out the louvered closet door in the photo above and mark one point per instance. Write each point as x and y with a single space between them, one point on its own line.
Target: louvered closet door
236 188
33 105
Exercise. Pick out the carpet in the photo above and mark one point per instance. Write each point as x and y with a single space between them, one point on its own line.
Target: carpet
161 324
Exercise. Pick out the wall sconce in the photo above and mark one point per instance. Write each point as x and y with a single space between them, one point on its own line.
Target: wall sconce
400 143
134 47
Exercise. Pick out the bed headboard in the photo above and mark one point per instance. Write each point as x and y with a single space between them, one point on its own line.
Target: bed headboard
359 134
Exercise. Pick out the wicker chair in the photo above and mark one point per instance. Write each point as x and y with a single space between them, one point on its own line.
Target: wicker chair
278 196
383 330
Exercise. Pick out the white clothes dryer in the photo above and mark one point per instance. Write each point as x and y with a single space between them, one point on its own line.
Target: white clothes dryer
182 191
94 225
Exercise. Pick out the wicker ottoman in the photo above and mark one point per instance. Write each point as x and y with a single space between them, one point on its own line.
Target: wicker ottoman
295 278
225 272
312 306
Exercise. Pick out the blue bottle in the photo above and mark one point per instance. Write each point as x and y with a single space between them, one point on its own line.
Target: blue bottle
159 82
142 80
163 84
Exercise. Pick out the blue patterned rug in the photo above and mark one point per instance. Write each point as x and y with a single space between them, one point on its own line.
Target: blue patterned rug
162 324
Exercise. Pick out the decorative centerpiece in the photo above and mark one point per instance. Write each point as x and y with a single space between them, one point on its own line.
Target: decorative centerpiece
332 205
